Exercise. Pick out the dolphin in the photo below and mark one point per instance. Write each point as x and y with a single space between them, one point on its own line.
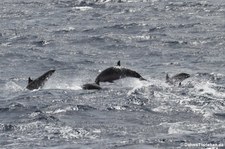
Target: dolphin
117 72
91 86
39 82
177 78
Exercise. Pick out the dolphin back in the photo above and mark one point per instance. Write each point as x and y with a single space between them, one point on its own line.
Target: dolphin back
91 86
181 76
109 75
131 73
177 78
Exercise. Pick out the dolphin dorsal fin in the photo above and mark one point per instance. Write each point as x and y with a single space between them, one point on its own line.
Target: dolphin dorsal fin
29 80
167 77
118 63
179 84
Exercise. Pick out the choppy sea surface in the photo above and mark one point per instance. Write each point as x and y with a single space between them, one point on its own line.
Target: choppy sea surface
80 39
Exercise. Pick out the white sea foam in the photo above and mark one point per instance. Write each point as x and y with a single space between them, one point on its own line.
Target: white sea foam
13 87
57 83
83 8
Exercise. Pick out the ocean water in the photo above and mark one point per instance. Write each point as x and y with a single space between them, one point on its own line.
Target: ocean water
80 39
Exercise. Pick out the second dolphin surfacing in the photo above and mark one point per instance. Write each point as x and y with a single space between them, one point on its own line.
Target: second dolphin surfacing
114 73
177 78
91 86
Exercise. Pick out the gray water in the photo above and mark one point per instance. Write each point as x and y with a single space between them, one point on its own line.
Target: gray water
80 39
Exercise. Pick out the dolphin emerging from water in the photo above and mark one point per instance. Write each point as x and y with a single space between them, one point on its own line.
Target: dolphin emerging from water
114 73
177 78
91 86
39 82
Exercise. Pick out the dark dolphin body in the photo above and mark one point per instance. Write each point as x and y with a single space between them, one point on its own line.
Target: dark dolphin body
39 82
177 78
114 73
91 86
